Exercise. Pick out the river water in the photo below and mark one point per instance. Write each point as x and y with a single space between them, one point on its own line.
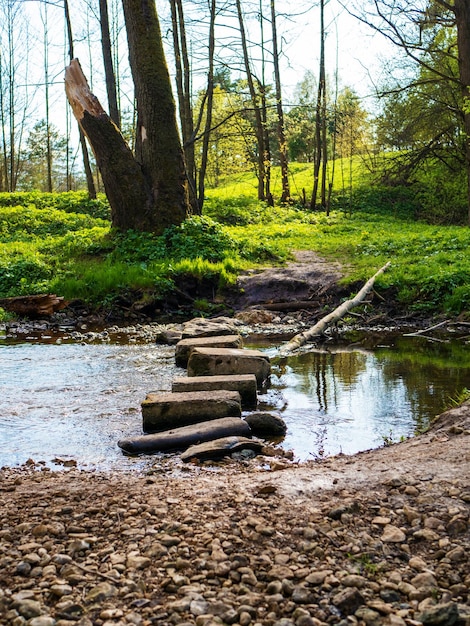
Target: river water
74 401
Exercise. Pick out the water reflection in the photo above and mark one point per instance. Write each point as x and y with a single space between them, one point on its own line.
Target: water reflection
347 399
77 400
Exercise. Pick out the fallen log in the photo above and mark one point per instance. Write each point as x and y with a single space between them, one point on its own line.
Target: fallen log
44 304
185 436
340 311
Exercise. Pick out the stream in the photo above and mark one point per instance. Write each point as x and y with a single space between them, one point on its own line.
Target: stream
64 402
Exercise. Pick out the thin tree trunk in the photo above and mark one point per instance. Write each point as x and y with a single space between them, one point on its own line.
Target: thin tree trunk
324 152
110 77
183 89
209 105
285 195
86 157
257 111
318 115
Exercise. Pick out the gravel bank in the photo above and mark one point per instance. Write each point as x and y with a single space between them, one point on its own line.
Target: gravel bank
378 538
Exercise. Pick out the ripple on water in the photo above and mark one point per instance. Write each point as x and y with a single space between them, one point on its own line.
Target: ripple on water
77 400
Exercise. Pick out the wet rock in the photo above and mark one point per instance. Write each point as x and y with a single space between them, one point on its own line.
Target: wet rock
219 448
264 424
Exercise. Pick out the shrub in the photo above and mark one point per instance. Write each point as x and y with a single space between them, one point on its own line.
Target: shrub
197 237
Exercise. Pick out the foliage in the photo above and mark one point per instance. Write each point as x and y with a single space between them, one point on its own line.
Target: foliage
78 256
70 202
197 237
231 138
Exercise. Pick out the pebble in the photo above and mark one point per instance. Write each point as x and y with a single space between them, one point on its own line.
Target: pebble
166 552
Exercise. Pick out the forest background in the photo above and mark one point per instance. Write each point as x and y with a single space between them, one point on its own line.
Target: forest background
322 145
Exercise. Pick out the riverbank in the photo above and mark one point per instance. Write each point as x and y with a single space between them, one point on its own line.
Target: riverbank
381 537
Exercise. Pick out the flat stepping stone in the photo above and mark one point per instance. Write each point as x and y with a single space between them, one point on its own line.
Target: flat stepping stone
202 327
229 361
180 438
161 411
218 448
184 347
245 384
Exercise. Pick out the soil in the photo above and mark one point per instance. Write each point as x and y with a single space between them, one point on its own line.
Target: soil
381 537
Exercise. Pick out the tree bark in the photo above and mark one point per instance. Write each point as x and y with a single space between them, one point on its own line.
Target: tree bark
86 157
340 311
319 147
161 155
462 16
108 64
209 107
122 176
285 195
257 111
183 89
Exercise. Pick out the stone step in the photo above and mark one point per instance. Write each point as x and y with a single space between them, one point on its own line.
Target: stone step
218 448
245 384
181 438
184 347
161 411
202 327
229 361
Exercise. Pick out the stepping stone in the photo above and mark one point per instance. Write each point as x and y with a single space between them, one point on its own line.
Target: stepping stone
161 411
245 384
201 327
184 347
265 424
229 361
180 438
218 448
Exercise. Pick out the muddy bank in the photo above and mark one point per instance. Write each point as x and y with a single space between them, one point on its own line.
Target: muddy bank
275 302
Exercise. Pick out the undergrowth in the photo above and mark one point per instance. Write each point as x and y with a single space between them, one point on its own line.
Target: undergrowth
62 243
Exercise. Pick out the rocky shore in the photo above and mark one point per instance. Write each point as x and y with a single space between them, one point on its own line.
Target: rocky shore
378 538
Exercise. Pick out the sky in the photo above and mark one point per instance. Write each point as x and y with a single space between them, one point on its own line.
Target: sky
354 48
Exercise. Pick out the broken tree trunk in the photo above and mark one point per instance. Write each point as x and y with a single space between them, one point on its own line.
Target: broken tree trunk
320 327
123 179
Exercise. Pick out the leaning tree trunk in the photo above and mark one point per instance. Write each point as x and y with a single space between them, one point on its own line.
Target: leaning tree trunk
123 179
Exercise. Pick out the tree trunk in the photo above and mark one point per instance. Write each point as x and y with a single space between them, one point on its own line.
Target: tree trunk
183 89
318 114
254 99
86 157
209 106
108 64
462 15
340 311
285 195
124 182
161 155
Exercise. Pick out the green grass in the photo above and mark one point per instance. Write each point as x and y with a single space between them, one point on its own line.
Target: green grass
63 243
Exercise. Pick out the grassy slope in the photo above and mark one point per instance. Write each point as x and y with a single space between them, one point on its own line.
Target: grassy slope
63 244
